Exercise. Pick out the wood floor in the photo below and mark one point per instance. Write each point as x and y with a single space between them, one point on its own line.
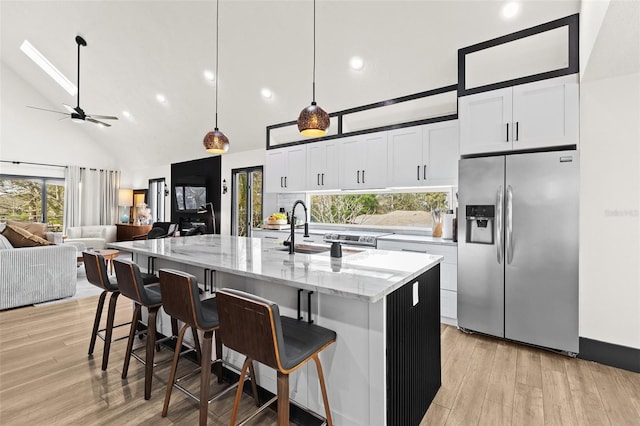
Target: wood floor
46 377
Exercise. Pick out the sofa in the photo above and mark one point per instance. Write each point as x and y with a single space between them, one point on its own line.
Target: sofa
92 236
36 274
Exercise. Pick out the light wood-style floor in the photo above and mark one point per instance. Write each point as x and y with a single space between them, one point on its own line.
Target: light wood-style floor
46 377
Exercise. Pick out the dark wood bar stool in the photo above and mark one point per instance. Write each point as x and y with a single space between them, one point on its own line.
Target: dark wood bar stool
180 298
253 326
96 269
131 284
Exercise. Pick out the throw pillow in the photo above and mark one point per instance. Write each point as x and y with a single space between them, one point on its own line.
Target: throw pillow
4 243
36 228
19 237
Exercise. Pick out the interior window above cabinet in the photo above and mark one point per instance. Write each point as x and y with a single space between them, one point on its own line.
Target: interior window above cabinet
424 155
363 162
323 165
286 169
529 116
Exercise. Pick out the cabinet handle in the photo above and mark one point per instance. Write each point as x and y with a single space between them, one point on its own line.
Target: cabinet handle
413 251
358 179
418 171
281 184
363 176
318 178
322 179
507 132
517 130
285 181
424 172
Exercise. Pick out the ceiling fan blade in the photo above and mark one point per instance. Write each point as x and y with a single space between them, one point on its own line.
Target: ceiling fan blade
69 107
97 122
64 118
49 110
103 117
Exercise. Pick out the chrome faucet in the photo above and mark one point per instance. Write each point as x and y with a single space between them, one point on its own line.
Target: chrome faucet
293 225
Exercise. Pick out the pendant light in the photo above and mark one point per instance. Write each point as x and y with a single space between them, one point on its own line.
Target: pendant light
216 142
313 121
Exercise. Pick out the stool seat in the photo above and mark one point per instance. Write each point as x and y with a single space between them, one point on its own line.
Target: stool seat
301 340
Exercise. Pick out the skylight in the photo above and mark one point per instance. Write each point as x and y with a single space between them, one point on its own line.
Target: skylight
48 67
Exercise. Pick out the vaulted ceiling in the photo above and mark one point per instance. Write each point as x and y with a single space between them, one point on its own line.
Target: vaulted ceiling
137 49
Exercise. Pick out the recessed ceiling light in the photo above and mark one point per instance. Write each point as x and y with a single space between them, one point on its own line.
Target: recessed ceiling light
161 98
356 63
127 114
48 67
209 75
266 93
510 9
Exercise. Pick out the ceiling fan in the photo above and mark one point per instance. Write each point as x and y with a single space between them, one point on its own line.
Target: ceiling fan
77 114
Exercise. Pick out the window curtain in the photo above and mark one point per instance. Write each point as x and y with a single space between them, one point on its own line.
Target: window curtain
91 196
71 197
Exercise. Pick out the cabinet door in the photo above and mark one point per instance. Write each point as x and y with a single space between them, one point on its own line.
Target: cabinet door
316 164
374 173
545 113
331 177
405 165
296 177
351 163
275 170
440 153
485 122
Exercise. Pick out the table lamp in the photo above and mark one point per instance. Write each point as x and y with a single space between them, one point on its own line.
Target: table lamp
125 200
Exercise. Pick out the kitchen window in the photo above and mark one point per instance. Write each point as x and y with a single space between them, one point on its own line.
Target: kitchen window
381 209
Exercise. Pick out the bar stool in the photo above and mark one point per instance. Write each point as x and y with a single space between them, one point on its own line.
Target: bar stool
96 269
253 326
180 298
131 284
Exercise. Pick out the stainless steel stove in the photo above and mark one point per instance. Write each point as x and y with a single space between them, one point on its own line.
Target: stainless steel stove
355 238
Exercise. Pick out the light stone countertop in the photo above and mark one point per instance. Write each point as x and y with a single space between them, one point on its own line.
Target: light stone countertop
365 274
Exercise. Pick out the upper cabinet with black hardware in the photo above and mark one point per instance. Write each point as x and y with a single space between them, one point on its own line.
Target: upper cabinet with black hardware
286 169
424 155
528 116
323 165
363 162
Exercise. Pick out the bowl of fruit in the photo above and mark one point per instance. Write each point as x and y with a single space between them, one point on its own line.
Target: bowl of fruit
277 219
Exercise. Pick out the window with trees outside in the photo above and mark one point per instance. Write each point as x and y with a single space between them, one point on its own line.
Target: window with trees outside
382 209
35 199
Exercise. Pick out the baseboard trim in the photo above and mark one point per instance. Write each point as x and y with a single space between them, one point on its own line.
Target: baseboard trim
610 354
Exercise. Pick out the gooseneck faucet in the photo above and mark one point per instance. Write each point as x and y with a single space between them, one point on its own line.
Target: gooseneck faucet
293 224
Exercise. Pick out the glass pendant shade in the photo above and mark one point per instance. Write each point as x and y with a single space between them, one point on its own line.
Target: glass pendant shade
216 142
313 121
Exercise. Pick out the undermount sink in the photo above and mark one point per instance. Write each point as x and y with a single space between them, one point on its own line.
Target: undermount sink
307 249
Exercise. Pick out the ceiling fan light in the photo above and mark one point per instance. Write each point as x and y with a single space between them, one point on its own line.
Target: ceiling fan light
76 118
313 121
216 142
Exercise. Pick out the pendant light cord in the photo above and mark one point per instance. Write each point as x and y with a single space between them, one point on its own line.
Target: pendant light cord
78 106
217 44
314 52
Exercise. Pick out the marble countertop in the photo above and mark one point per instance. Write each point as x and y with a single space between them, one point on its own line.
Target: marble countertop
365 274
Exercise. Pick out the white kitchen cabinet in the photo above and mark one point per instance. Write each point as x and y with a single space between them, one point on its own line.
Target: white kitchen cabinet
323 165
363 162
424 155
529 116
448 272
286 169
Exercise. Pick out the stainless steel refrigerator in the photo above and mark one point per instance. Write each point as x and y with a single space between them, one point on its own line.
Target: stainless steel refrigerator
518 248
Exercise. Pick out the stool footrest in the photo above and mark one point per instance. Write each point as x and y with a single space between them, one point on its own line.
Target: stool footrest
100 332
258 410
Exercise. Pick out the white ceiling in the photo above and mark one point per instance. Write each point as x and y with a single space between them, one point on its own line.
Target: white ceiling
139 48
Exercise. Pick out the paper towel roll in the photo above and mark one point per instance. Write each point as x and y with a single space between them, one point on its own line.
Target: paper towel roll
447 226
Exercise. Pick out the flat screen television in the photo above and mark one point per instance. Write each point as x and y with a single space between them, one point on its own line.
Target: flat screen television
190 197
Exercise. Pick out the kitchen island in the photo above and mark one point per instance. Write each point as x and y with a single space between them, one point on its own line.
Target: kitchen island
383 305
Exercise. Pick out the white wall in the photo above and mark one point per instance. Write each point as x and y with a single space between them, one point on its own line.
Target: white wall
37 136
230 162
610 181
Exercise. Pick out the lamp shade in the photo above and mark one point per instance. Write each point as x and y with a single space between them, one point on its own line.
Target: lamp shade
313 121
125 197
216 142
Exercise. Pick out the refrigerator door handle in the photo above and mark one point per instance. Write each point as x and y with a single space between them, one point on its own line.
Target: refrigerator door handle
499 203
509 220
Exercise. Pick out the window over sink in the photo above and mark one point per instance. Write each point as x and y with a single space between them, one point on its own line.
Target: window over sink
383 209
